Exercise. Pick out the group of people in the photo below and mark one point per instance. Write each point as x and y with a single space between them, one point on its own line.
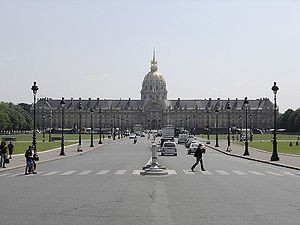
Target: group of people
4 153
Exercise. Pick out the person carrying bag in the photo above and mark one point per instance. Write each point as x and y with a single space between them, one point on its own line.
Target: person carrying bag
198 155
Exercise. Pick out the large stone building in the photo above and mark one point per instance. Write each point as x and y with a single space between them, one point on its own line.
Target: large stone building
154 110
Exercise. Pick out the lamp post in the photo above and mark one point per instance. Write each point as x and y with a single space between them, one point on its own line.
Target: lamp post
208 129
241 126
274 156
92 141
217 127
62 143
246 103
34 89
228 108
194 129
114 129
251 120
79 149
43 126
50 130
118 127
100 126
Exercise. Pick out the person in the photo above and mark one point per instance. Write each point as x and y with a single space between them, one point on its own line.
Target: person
10 149
198 155
3 150
30 164
134 140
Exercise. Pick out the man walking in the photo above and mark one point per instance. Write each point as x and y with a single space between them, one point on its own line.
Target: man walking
198 155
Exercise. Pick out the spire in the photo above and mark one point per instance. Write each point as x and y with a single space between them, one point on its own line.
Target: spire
153 63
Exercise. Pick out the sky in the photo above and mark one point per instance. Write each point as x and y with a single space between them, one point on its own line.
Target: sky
103 48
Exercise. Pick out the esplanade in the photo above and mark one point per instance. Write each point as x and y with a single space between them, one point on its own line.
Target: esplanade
154 110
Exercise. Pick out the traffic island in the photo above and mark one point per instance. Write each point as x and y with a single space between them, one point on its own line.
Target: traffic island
154 168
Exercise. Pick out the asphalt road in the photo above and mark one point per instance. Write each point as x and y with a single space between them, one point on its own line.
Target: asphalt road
104 187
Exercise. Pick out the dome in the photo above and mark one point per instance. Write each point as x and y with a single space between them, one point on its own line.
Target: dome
154 84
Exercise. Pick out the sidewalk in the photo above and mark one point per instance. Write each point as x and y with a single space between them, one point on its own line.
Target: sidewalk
285 160
18 161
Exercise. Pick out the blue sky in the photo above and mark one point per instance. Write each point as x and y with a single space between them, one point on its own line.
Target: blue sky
204 49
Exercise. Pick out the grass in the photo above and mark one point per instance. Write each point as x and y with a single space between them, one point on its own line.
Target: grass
24 140
263 142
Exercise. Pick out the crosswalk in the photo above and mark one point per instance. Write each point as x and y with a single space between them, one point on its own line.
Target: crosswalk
122 172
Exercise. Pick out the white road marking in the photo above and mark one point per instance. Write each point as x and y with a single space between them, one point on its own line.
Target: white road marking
222 172
4 174
102 172
171 172
51 173
85 172
238 172
136 172
273 173
206 172
288 173
256 173
68 172
120 172
188 172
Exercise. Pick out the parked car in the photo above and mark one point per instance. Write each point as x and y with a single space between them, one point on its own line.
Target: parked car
169 147
193 147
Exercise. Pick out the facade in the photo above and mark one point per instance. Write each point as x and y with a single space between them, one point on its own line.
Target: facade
154 111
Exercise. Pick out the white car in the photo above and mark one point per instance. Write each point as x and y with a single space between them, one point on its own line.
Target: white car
193 147
132 135
169 147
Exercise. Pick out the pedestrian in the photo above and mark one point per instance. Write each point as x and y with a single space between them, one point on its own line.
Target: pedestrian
198 155
10 149
3 150
30 164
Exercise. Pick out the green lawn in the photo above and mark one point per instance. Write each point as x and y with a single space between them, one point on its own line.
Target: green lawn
24 140
263 142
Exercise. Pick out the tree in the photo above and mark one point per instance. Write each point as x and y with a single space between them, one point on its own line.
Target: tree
290 120
13 117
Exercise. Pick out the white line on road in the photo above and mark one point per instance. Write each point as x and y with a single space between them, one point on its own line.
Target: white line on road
136 172
188 172
102 172
51 173
119 172
206 172
238 172
68 172
171 172
85 172
273 173
222 172
256 173
288 173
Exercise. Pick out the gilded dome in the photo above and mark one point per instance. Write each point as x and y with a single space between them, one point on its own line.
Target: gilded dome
154 84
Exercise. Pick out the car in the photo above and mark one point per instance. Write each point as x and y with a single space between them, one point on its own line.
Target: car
164 139
132 135
193 147
189 141
169 147
142 134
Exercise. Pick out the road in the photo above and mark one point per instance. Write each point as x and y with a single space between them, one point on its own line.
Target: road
104 187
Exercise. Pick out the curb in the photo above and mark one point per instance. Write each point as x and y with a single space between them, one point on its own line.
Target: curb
254 159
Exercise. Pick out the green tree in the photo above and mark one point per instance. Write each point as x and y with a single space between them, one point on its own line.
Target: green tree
13 117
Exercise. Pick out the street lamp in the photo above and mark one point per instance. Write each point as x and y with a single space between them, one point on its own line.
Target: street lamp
50 130
228 108
208 129
194 129
92 144
241 126
246 103
100 126
251 123
217 127
62 143
274 156
34 89
43 125
79 149
114 131
118 127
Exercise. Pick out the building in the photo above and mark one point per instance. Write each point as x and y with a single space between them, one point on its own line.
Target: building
154 110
